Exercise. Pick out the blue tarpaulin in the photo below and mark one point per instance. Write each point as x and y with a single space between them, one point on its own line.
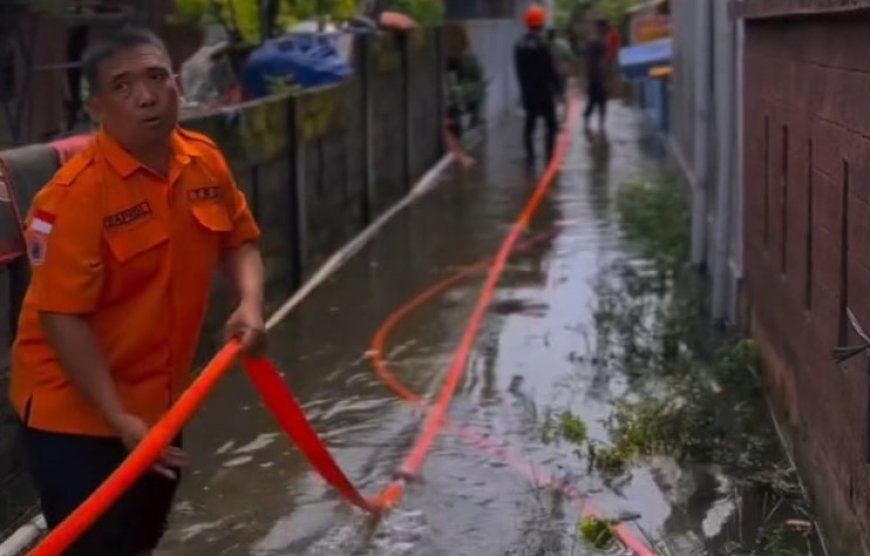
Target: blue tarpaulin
307 60
635 61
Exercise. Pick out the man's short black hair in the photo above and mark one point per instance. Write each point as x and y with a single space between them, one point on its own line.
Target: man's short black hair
119 41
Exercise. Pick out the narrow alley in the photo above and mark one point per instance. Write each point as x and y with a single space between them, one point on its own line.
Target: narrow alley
251 492
655 345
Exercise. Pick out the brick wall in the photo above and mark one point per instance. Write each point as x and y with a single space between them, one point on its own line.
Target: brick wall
806 225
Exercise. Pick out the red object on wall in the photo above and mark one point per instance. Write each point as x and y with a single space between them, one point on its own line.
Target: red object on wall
613 42
68 147
11 236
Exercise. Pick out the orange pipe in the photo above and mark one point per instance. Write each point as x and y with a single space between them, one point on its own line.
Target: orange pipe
141 459
279 398
393 493
466 433
435 417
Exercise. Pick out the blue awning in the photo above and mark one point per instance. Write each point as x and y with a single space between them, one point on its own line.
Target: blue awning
635 61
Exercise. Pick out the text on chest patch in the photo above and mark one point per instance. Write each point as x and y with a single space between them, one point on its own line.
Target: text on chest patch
204 193
128 216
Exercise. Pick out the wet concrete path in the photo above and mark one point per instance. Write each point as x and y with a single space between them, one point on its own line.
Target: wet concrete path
251 492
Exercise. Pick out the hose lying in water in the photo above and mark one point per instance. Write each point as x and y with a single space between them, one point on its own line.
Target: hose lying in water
468 434
436 415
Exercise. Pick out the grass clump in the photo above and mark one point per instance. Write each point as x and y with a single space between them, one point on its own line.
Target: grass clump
597 532
655 216
572 428
566 426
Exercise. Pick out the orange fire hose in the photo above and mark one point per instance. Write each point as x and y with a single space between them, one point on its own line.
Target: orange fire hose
467 434
435 418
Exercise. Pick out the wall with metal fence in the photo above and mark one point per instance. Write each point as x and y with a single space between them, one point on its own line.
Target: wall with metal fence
492 41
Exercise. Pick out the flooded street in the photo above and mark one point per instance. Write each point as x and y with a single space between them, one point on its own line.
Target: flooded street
539 354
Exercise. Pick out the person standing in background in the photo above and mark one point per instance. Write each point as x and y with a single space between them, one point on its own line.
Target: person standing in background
596 75
613 42
539 81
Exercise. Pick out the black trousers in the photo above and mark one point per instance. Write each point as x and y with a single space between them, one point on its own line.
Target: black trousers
597 93
68 468
547 111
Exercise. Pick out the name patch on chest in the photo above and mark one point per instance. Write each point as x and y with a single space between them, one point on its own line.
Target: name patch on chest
128 216
204 193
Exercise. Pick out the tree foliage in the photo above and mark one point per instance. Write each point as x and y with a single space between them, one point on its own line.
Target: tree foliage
614 11
424 12
568 11
243 19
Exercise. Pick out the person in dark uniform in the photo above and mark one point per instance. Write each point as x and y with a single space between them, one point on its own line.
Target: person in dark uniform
596 74
539 80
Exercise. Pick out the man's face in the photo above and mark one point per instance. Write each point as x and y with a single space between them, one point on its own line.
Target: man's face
137 98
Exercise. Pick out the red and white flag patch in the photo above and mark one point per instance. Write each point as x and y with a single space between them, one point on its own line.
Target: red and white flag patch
42 222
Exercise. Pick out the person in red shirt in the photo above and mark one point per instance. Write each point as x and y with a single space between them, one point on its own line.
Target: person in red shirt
613 40
613 43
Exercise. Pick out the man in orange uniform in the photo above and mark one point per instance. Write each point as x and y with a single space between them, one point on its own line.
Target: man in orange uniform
123 243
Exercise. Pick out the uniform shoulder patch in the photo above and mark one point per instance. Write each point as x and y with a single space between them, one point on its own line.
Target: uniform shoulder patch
70 171
36 247
197 137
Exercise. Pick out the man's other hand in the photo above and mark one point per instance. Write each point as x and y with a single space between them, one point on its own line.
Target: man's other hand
133 429
247 325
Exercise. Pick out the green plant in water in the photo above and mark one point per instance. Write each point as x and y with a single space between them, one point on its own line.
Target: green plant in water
567 426
597 532
654 215
610 460
572 428
738 363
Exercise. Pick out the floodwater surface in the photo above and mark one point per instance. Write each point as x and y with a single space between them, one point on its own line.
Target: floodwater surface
250 491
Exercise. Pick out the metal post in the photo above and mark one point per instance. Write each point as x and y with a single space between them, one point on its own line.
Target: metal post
369 116
407 139
736 262
700 164
725 85
299 231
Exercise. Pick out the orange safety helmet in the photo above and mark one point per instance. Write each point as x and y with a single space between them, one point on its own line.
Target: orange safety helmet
536 17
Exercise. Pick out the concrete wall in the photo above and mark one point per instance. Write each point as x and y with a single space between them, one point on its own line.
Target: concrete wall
705 140
455 10
493 43
316 168
807 220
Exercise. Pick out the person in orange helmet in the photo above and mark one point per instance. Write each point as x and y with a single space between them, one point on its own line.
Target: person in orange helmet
123 243
539 81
